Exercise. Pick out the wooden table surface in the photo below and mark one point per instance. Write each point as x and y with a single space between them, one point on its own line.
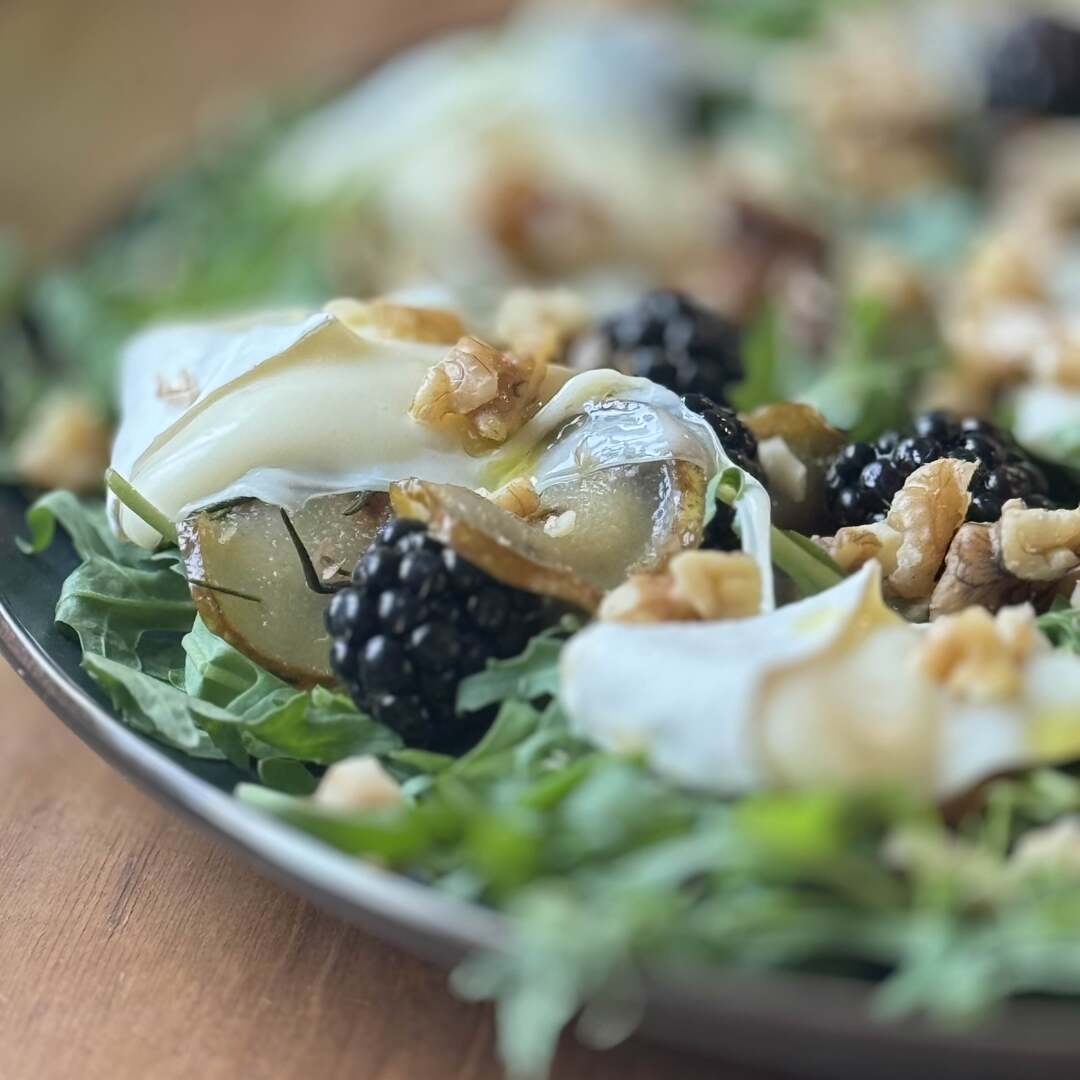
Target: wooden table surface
132 946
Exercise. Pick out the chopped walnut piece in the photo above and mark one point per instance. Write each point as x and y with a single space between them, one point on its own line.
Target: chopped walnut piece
65 444
389 319
927 512
540 323
482 393
890 138
972 574
1003 269
645 598
1059 362
977 656
547 229
358 784
854 546
896 282
994 345
518 497
1038 545
560 525
697 585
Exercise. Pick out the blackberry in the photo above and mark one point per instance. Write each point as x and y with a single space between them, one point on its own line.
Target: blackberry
669 338
863 477
1035 68
416 620
740 445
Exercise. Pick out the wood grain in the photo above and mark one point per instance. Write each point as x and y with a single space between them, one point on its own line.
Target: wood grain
133 946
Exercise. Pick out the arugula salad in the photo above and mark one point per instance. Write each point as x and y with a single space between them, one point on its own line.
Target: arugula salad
678 551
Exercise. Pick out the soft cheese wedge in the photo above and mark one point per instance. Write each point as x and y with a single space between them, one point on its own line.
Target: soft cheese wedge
286 407
836 689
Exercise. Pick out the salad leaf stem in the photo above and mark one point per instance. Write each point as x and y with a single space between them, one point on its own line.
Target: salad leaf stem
141 507
804 562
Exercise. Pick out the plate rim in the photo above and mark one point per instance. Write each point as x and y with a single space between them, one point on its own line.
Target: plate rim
355 886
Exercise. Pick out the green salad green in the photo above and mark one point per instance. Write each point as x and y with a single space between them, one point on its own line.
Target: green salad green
606 871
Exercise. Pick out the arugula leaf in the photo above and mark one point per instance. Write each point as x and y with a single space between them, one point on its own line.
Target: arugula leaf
263 716
519 744
215 671
867 388
1062 625
287 775
84 521
153 706
533 674
400 836
1063 447
137 503
121 612
779 19
421 762
765 373
318 726
123 603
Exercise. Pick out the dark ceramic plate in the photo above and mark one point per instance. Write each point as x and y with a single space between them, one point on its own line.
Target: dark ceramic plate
804 1025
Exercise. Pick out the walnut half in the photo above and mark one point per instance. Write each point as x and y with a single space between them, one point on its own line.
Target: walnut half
974 574
697 585
1038 545
912 542
480 393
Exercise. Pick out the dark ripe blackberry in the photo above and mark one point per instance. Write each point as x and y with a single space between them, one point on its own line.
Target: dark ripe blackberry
417 619
669 338
863 478
1035 68
915 451
741 446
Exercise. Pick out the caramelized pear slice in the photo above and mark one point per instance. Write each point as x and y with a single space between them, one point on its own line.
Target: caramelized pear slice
626 519
506 547
244 548
588 535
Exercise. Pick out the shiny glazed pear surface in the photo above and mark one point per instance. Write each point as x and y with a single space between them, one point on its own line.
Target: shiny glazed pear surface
245 547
